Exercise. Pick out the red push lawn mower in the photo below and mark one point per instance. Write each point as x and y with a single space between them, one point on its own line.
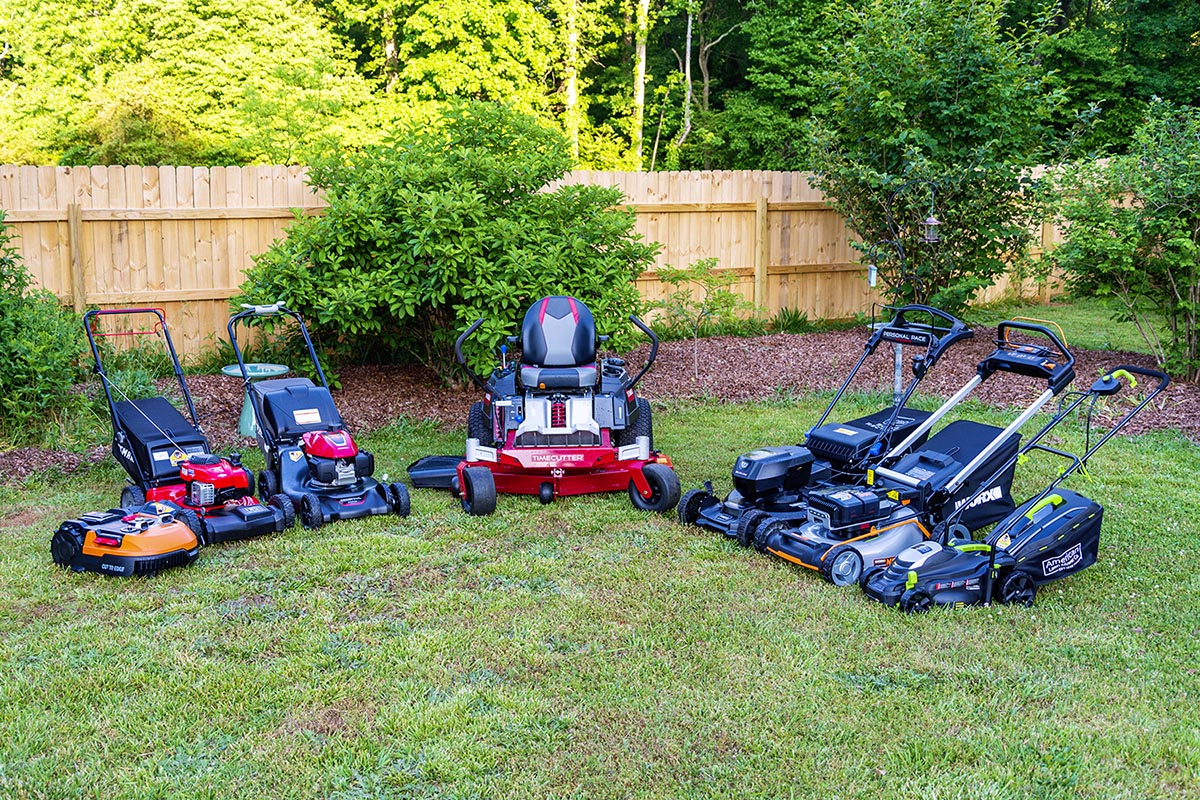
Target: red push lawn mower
558 423
310 455
123 542
167 458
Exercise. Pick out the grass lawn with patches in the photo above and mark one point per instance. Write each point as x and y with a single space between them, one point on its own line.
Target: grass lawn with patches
1086 322
584 649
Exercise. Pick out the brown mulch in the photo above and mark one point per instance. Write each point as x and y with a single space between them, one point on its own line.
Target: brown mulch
730 368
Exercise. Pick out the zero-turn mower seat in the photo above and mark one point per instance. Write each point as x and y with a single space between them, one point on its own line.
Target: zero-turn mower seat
157 431
558 345
292 407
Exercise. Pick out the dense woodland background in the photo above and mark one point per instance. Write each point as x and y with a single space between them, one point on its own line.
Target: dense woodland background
634 84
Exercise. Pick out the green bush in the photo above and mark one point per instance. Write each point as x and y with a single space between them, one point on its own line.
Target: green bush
1132 232
445 224
40 343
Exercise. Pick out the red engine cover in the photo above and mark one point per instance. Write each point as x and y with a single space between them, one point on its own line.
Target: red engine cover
329 444
221 474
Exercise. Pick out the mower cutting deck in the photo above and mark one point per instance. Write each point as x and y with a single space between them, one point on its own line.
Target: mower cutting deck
559 423
167 458
772 484
310 456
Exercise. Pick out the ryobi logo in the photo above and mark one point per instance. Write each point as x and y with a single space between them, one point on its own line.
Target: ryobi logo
994 493
1068 560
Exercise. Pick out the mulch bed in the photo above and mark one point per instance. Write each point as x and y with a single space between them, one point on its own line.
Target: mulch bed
730 368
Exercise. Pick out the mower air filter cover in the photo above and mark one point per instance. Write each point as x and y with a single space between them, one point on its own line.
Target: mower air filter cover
770 469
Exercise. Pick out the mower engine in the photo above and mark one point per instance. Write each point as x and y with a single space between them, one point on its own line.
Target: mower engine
210 480
335 460
770 470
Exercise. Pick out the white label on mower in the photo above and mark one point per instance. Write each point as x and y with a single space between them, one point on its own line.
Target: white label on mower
159 455
991 494
845 431
307 416
920 473
1068 560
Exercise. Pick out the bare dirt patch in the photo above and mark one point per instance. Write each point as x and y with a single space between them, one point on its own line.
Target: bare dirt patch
730 368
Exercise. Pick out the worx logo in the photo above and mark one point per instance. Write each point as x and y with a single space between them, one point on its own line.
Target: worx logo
991 494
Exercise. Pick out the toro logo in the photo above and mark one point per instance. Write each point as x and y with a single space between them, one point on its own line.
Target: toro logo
991 494
1068 560
557 458
125 452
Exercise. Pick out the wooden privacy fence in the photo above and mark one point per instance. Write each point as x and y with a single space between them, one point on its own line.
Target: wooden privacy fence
182 237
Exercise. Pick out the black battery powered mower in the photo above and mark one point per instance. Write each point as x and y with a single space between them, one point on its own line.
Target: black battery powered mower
560 422
310 456
167 456
122 542
1052 535
773 483
965 469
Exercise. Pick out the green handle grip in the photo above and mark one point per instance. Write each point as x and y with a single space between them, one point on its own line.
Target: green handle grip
1124 373
1053 499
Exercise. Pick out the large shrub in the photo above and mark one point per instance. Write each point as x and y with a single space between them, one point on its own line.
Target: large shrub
1132 232
447 223
933 93
40 343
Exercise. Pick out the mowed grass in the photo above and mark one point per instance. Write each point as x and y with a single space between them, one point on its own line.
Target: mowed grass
584 649
1086 322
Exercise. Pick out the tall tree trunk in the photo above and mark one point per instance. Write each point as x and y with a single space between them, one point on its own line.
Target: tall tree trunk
641 34
571 78
687 82
391 58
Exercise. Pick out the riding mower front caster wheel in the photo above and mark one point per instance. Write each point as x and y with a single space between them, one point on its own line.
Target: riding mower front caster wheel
664 489
546 494
478 491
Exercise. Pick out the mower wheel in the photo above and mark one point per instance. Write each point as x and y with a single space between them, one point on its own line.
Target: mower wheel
67 543
690 504
311 515
868 574
287 507
764 532
1016 588
478 491
916 600
132 498
398 495
842 567
664 489
268 484
546 493
642 426
751 520
194 522
478 426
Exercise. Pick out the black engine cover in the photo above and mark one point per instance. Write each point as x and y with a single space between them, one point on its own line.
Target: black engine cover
768 470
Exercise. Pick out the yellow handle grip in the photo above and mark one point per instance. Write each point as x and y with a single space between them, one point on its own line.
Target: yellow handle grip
1053 499
1124 373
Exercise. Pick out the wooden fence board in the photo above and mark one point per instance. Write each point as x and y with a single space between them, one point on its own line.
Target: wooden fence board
183 237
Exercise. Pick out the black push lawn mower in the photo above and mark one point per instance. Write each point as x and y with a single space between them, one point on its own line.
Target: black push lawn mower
558 423
122 542
773 483
167 457
310 456
1054 534
965 469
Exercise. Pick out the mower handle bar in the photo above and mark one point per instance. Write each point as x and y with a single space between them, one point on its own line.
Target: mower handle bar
1077 461
1011 324
98 367
276 309
937 339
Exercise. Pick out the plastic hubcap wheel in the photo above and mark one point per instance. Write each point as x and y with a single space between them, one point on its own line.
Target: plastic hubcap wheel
846 568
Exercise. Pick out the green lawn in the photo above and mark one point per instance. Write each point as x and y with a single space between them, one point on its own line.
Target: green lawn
1087 322
586 650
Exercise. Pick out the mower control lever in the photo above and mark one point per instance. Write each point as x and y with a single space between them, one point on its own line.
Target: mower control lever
462 360
653 348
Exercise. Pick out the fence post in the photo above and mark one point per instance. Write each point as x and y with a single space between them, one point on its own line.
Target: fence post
75 253
762 254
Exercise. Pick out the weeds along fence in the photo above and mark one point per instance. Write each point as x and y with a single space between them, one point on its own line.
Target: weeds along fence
180 238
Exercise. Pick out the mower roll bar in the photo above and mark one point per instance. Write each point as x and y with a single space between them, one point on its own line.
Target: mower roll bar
273 310
478 381
98 367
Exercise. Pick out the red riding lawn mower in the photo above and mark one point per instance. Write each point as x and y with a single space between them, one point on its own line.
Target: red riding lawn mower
167 457
557 423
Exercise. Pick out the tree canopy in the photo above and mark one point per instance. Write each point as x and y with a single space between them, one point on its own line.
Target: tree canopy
726 84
